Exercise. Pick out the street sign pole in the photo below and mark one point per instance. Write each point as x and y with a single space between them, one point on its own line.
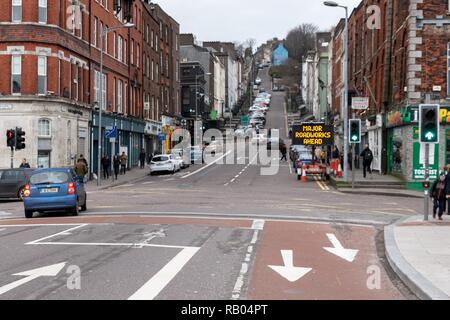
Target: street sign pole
351 160
427 177
12 157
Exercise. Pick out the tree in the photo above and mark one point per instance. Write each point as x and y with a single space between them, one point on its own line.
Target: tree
300 40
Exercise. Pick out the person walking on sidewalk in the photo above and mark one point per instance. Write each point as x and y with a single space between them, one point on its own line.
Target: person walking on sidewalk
24 164
123 163
439 196
367 156
447 187
283 151
106 164
116 165
142 159
80 168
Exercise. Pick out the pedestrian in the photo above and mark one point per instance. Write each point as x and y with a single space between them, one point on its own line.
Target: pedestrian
106 164
367 156
439 196
116 165
150 157
82 159
317 153
335 153
24 164
283 151
142 158
123 163
81 169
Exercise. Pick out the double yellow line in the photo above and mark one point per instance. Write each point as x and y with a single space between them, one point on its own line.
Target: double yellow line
321 184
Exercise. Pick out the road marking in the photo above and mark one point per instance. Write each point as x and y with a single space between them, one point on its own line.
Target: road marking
149 182
244 269
159 281
243 170
321 184
287 270
290 169
57 234
2 230
99 244
49 271
338 250
205 167
258 224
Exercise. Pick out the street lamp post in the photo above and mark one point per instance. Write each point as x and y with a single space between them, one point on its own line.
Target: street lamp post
103 33
197 76
345 80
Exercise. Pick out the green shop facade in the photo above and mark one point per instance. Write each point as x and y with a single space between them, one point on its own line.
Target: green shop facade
129 138
406 155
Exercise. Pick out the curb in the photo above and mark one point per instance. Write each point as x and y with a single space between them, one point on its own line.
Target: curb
383 193
418 284
120 183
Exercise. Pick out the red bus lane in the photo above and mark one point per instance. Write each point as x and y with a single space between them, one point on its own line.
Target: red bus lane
340 272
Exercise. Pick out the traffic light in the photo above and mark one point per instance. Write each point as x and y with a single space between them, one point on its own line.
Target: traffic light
20 139
429 123
355 131
11 138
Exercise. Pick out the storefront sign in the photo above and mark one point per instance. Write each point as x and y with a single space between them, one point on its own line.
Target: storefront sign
313 134
419 159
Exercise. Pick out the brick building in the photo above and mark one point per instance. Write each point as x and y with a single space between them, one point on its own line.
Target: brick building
51 86
398 66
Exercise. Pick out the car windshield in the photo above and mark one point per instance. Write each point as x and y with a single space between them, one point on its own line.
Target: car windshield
305 155
160 159
49 177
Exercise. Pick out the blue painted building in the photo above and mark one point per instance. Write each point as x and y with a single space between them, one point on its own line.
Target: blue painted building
279 55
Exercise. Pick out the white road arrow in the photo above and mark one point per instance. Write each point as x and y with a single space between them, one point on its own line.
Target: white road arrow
49 271
288 271
339 250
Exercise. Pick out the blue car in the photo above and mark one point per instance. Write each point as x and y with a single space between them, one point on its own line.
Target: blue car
54 190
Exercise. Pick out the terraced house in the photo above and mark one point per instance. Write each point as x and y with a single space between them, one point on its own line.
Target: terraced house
52 85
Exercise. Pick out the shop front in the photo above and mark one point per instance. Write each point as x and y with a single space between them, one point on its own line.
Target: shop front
128 138
152 143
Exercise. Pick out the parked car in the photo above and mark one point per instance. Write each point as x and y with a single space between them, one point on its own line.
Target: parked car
54 189
258 81
164 163
12 183
179 155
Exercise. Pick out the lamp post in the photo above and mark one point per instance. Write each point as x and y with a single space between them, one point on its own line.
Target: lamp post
103 33
345 80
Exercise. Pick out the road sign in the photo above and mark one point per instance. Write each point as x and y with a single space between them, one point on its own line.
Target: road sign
360 103
111 132
313 134
162 137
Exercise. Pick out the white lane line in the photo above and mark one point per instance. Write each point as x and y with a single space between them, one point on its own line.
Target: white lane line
39 225
2 230
149 182
100 244
159 281
244 269
290 168
57 234
205 167
258 224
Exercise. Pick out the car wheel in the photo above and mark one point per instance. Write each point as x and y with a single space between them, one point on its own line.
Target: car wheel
76 210
28 214
20 194
84 206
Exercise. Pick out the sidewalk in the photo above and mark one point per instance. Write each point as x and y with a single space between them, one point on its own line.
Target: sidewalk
375 184
131 176
419 253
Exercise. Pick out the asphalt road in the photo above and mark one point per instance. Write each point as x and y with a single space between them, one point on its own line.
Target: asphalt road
220 231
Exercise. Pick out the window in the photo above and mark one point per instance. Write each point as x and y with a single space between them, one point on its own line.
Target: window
114 95
153 70
132 51
106 39
152 35
119 95
76 81
42 11
97 91
95 32
146 33
138 56
114 45
16 10
148 66
120 48
80 25
16 74
157 72
176 71
125 52
44 128
161 62
42 75
167 65
156 43
100 33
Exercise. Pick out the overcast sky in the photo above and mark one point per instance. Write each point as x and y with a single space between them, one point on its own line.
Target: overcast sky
238 20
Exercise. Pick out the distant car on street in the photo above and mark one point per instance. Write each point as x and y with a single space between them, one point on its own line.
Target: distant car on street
54 189
258 81
12 183
164 163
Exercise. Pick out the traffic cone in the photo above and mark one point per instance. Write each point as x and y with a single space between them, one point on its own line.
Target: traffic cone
304 177
339 173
